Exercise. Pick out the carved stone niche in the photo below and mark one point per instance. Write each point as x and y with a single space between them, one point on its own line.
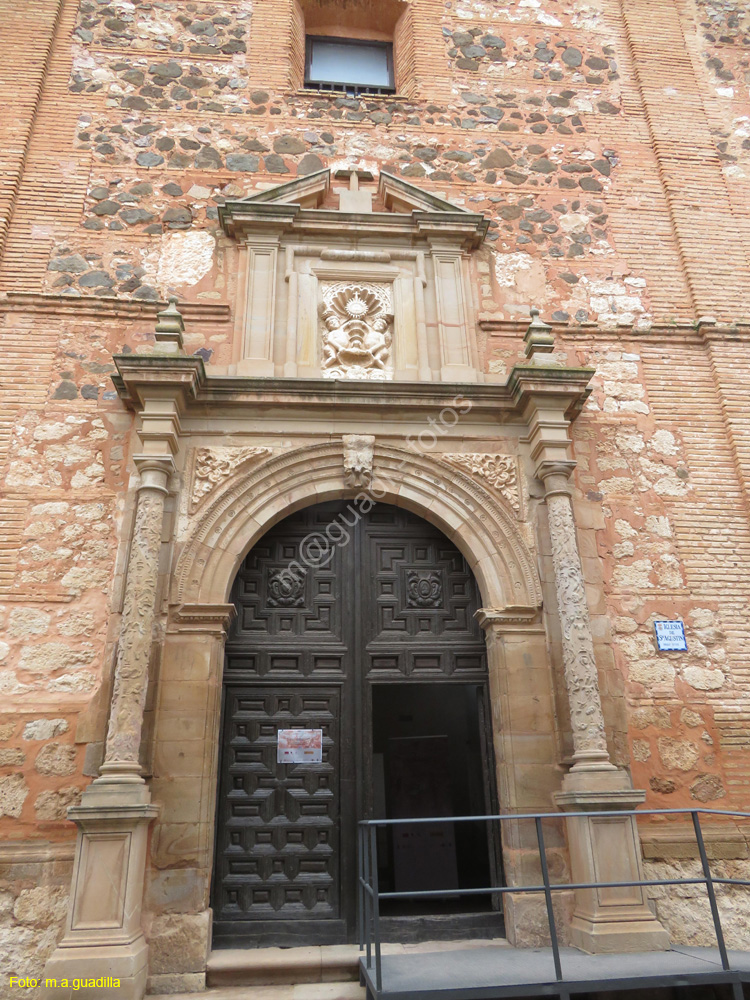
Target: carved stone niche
354 281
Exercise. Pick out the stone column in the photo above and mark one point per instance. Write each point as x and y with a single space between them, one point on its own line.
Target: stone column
136 633
589 740
603 849
103 935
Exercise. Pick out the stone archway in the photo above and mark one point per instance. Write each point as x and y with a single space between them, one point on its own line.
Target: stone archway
259 491
255 496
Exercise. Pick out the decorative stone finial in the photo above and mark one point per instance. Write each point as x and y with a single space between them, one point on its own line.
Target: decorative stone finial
538 337
170 327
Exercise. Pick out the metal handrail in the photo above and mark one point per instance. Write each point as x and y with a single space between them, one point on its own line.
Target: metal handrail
369 894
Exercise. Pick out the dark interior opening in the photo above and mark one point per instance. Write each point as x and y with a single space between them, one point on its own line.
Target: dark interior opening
428 761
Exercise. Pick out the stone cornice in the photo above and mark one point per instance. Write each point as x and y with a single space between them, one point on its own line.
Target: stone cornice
111 306
240 220
511 618
570 386
680 331
201 618
140 377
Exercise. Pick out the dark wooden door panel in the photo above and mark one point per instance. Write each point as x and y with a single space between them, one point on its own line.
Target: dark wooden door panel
396 603
278 843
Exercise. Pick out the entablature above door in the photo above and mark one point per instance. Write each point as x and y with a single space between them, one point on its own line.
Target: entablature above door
354 282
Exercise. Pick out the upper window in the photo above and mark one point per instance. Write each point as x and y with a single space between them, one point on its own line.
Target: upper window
349 64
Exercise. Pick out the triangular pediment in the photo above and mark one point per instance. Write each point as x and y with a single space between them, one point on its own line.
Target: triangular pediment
400 196
305 205
308 191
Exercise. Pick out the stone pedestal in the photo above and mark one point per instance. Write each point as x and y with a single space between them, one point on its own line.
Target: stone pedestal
103 938
607 849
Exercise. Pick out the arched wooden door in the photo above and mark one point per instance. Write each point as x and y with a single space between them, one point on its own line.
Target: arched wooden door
383 604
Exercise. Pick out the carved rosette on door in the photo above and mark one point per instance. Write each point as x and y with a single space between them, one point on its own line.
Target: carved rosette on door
356 338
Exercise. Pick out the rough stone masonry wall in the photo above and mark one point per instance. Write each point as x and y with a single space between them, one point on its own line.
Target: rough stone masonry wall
608 143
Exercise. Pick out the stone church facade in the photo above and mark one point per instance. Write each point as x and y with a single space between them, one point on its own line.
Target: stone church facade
319 402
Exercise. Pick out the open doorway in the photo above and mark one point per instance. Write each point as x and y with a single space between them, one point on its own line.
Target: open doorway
431 758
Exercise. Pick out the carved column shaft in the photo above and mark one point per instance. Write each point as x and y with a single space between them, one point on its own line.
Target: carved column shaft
139 609
581 680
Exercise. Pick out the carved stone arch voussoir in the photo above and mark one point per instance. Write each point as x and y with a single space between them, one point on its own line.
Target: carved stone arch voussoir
255 497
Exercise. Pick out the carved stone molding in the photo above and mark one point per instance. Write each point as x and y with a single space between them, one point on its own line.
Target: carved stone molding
500 471
213 465
212 618
356 321
358 452
511 618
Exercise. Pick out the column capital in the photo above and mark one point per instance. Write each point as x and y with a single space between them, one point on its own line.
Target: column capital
555 474
155 471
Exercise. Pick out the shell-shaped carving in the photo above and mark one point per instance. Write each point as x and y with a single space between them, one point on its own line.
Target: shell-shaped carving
361 302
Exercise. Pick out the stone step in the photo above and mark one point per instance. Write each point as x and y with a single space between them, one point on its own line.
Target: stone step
304 991
337 964
272 966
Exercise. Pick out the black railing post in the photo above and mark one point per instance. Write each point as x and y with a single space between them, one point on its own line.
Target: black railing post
360 887
376 906
368 895
548 899
710 890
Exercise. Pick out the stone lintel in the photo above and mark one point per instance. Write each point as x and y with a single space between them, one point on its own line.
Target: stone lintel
146 380
203 618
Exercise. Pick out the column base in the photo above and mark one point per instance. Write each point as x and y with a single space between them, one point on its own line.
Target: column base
607 849
103 939
608 936
119 971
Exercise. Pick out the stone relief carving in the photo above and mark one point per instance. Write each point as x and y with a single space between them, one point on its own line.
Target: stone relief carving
423 590
356 337
358 449
213 465
500 471
581 678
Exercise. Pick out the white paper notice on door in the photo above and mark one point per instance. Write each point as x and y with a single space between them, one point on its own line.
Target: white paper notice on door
300 746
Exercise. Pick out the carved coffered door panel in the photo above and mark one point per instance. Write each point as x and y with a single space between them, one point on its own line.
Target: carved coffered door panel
418 610
394 604
277 850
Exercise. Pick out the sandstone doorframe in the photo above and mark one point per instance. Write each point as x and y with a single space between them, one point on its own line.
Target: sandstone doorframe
254 498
